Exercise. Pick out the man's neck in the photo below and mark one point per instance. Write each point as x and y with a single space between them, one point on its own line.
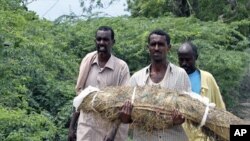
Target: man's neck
159 66
192 71
103 59
157 71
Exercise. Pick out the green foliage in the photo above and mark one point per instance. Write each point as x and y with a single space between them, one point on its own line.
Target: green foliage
35 73
10 4
39 61
202 9
228 70
18 125
148 8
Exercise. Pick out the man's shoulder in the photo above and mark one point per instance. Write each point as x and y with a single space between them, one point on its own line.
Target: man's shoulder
207 77
206 74
119 61
176 69
88 55
141 71
138 78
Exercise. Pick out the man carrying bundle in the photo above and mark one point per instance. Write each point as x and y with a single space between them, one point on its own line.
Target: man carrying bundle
100 69
164 74
202 82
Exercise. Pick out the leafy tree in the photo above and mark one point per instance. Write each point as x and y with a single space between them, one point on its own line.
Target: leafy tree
18 125
225 10
34 74
10 4
39 62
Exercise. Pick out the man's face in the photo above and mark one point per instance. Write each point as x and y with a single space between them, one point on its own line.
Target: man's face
158 47
187 61
104 42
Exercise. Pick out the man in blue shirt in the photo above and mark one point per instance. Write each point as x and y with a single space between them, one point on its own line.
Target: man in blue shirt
202 82
187 55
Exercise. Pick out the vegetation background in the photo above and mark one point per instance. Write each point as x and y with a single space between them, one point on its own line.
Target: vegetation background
39 59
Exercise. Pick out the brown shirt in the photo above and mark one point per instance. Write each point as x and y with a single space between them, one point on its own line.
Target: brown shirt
92 127
114 73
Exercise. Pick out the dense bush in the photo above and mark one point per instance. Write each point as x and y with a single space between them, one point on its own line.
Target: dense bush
39 62
18 125
206 10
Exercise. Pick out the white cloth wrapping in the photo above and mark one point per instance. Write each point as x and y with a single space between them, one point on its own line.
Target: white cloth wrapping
78 99
205 101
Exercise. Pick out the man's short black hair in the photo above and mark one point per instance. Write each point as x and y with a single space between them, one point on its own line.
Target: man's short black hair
193 47
160 32
107 28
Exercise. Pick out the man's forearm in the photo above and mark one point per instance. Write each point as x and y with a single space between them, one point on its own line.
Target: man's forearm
72 126
74 119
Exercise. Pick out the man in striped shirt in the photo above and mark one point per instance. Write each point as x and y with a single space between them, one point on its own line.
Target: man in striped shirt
164 74
100 69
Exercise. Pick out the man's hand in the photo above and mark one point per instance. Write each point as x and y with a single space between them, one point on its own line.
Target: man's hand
125 113
177 117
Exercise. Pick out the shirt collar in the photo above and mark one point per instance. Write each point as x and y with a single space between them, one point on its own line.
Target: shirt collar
204 84
169 68
110 64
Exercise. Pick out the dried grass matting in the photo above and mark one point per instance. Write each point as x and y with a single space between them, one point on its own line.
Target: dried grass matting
153 106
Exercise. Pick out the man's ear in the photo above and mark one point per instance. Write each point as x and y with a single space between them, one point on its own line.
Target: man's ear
147 48
196 57
169 46
114 41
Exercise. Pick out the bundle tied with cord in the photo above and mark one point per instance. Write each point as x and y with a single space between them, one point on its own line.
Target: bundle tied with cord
152 108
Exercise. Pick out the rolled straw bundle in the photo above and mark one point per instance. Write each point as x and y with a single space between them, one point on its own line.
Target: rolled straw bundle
152 108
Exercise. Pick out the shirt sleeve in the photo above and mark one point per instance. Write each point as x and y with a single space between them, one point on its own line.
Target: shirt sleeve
187 83
79 86
83 71
218 100
125 75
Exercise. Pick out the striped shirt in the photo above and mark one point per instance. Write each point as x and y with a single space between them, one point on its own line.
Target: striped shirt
92 127
176 79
